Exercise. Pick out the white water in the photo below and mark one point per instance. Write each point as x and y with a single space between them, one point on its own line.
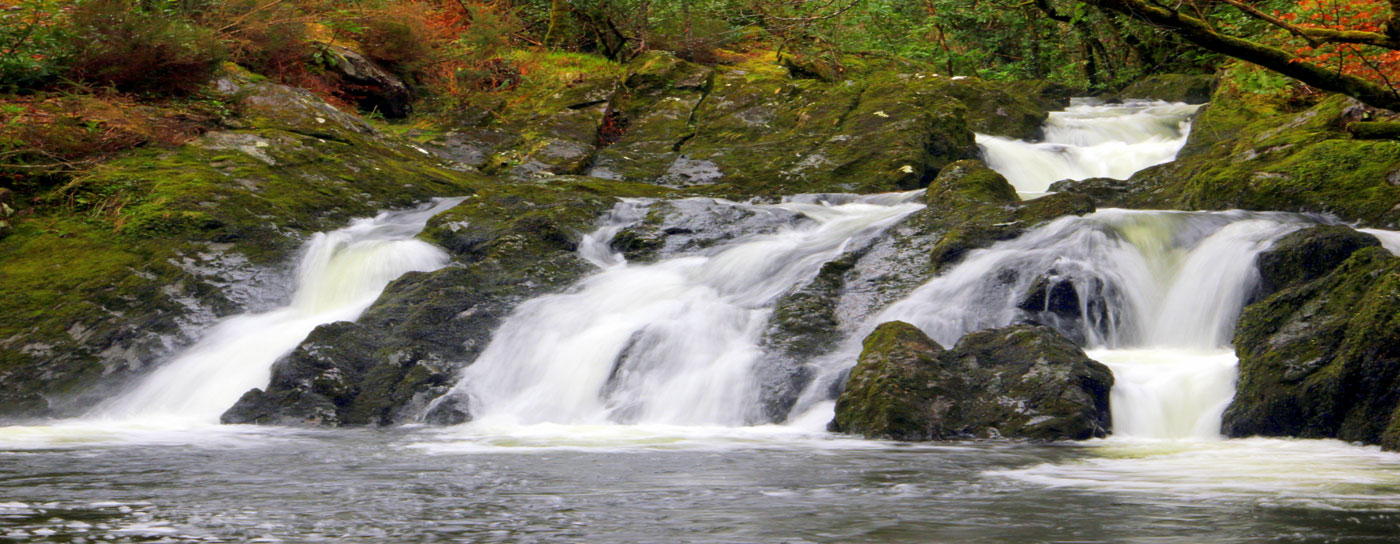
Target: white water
673 342
341 273
1087 141
1159 293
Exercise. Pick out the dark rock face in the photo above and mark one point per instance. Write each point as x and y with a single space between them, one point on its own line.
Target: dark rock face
372 87
1015 382
1322 359
1307 255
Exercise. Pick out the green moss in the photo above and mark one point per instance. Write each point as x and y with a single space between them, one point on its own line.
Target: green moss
1320 359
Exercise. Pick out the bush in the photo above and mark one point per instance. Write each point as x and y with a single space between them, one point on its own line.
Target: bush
120 44
398 37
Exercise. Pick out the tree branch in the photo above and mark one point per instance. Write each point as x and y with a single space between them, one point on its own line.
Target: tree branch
1272 58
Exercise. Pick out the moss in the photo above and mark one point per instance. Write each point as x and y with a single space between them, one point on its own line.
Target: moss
93 266
1188 88
1015 382
1375 130
886 394
1320 359
1254 155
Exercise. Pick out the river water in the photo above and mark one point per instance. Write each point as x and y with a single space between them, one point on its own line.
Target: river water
623 484
626 409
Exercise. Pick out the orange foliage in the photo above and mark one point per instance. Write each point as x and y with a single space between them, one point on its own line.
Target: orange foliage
1375 64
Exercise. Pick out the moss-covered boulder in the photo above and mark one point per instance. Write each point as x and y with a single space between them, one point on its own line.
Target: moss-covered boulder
1016 382
1263 156
1308 254
1322 359
510 242
1188 88
975 207
111 273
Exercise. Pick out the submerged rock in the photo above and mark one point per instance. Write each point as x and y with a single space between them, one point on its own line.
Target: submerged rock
1322 359
1015 382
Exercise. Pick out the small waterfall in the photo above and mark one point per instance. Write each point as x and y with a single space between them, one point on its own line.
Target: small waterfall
341 273
674 342
1155 294
1092 140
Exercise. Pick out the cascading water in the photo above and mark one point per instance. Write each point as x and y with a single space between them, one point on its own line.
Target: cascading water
341 273
673 342
1091 140
1154 294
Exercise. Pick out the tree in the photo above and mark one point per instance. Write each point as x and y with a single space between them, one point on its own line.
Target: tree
1346 46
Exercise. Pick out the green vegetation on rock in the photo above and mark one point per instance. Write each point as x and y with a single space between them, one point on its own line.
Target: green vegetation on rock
1015 382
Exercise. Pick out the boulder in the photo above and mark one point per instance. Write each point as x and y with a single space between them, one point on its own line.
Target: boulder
1188 88
1015 382
1270 157
1322 359
509 242
1307 255
372 87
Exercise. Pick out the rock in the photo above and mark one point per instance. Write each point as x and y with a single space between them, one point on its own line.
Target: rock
1000 111
1375 130
1016 382
336 377
1308 254
1242 155
1322 359
970 180
1188 88
372 87
510 242
7 211
207 230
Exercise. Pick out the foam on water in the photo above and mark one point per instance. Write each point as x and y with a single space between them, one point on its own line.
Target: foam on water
1091 140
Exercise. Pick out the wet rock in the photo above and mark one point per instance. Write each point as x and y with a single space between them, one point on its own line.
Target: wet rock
372 87
1322 359
1016 382
1307 255
510 242
232 206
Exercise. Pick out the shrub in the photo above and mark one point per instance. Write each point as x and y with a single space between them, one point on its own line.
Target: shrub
398 37
120 44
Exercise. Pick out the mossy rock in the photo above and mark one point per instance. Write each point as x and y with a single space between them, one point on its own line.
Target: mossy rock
111 273
511 241
1016 382
1245 155
1307 255
1188 88
1322 359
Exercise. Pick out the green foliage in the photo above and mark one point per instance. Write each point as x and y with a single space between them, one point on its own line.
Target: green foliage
32 43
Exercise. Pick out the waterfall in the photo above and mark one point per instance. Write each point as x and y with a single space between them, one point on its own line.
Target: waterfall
1091 140
673 342
1154 294
340 274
